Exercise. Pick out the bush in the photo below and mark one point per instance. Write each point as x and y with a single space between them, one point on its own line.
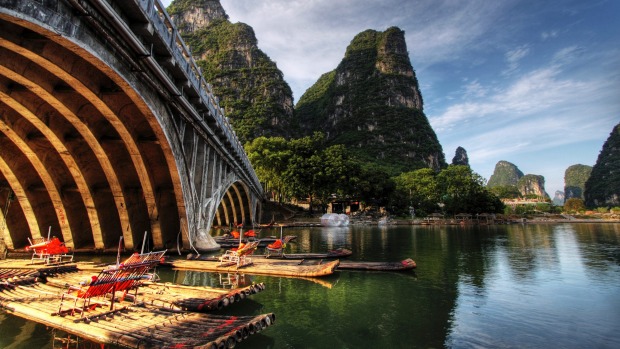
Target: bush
574 205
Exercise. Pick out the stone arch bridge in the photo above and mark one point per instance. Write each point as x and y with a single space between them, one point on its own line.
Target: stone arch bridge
108 131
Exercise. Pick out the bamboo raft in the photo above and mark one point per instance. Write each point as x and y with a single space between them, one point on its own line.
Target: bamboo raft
138 326
406 264
173 296
331 254
154 321
266 261
41 267
262 266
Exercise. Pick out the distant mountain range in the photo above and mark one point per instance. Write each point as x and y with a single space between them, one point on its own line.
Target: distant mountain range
371 103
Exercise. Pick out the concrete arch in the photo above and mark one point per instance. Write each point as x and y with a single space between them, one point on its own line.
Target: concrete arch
22 198
46 91
135 131
235 207
63 152
90 139
50 186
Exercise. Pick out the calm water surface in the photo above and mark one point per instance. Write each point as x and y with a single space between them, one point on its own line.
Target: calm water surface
517 286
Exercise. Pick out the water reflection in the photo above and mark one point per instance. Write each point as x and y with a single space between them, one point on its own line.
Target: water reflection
517 286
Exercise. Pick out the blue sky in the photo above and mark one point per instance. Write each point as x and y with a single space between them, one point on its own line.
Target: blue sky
535 83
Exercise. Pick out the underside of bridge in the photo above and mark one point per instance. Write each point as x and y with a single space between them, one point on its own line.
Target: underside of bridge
81 154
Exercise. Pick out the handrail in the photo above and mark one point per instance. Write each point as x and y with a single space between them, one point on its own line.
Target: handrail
155 12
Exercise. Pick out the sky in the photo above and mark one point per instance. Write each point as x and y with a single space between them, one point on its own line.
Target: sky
535 83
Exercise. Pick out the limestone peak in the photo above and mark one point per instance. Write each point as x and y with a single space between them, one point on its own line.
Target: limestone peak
197 14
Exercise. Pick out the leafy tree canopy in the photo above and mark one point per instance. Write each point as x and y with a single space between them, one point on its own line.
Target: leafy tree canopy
574 205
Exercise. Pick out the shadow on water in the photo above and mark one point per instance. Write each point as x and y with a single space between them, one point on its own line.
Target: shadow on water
516 286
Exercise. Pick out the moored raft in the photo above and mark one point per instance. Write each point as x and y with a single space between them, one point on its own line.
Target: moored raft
146 327
262 266
229 241
406 264
129 325
331 254
27 264
173 296
337 253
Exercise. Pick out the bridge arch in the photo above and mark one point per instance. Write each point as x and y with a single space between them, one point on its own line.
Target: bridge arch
96 146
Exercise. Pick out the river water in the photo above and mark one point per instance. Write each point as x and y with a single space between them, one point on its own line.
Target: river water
505 286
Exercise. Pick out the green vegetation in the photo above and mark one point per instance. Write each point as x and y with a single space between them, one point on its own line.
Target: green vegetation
509 192
183 5
301 168
574 205
575 179
250 86
305 169
603 186
418 189
371 104
463 191
505 174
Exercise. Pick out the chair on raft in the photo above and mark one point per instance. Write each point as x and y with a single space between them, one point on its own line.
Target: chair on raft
250 234
275 249
49 251
239 255
128 275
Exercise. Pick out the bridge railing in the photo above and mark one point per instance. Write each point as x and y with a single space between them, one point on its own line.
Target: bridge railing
183 56
163 24
154 12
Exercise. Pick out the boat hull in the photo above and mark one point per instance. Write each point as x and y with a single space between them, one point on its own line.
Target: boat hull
407 264
263 266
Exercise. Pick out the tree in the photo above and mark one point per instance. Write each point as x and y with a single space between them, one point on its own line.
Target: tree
418 189
270 157
463 190
372 186
301 168
603 186
505 191
574 205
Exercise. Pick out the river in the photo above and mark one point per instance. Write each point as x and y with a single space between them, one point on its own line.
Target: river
503 286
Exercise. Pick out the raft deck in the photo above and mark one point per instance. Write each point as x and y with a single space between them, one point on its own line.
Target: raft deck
173 296
137 326
261 266
128 324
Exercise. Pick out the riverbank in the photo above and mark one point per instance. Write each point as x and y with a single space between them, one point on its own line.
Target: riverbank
481 220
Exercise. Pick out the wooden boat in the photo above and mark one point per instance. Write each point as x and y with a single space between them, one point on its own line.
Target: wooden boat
263 266
406 264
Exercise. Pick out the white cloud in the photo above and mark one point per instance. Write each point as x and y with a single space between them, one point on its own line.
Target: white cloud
502 79
549 35
309 38
514 56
